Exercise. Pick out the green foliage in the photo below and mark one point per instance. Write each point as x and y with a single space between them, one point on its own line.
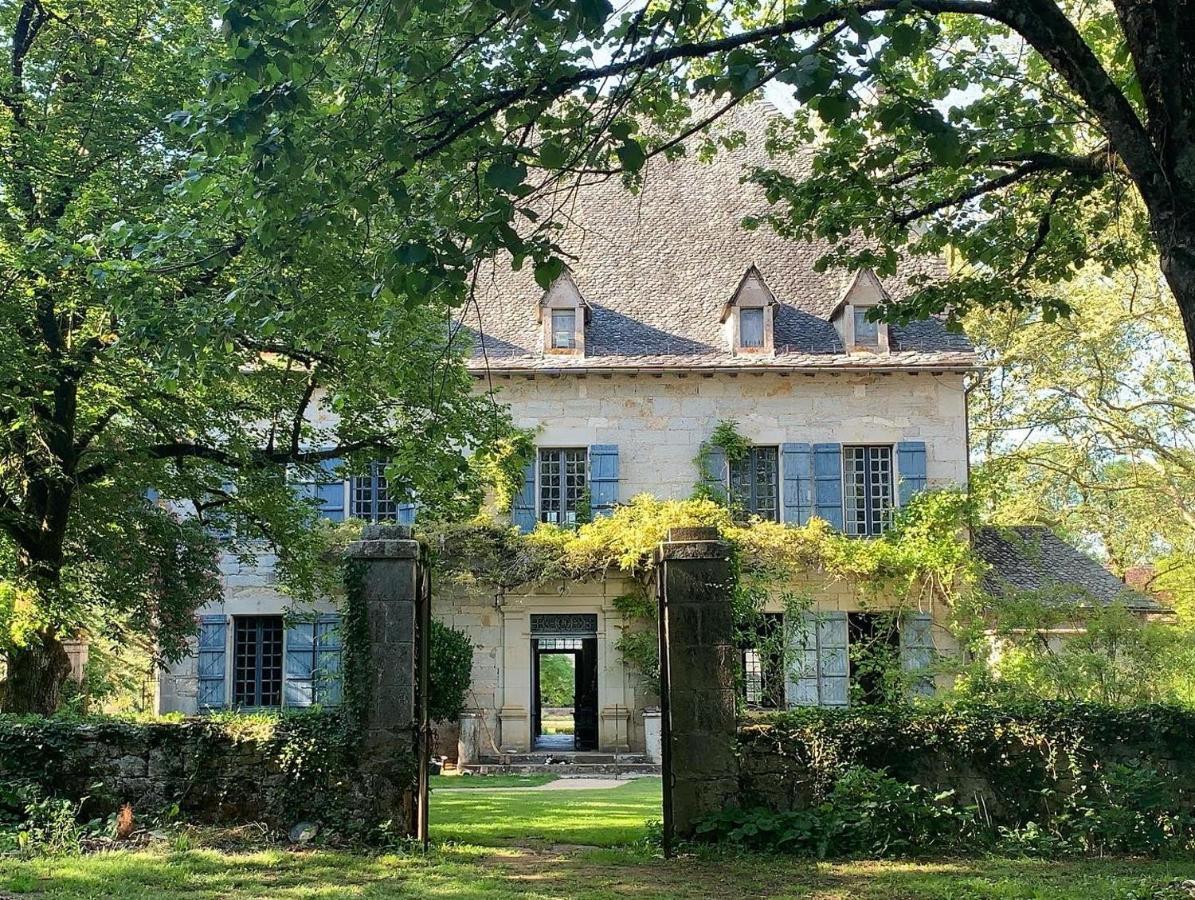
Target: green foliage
356 657
502 463
557 680
1045 778
734 446
451 672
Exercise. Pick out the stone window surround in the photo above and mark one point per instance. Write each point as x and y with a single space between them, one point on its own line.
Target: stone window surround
562 294
562 475
752 293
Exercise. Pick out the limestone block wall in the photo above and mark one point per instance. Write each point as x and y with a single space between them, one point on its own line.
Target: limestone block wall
660 422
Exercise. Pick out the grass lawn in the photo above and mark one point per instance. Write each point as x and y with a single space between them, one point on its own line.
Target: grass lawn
499 843
489 782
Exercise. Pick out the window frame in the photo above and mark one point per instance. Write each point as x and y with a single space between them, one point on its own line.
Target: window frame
876 516
763 336
562 459
553 331
872 329
254 628
751 505
377 486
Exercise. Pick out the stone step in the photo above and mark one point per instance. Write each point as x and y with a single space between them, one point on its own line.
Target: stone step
563 769
547 757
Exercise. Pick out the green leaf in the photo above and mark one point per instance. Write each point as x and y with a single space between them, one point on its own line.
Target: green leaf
505 176
630 153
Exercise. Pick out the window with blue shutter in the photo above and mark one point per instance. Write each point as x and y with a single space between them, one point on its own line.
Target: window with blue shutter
212 661
313 662
819 673
798 483
374 499
867 489
714 472
326 489
562 483
910 467
603 479
827 483
917 651
522 509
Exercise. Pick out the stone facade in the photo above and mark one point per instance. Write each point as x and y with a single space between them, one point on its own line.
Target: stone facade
659 422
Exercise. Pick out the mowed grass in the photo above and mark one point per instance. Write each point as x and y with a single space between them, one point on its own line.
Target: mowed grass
588 874
604 817
500 843
489 782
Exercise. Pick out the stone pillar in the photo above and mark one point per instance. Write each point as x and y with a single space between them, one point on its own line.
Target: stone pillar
468 742
698 722
389 587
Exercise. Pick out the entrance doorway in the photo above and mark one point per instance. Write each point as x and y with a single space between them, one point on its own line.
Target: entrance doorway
564 698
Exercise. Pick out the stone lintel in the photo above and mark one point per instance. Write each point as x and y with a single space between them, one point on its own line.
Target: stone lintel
693 543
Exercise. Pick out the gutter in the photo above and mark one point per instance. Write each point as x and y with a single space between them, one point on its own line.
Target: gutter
556 372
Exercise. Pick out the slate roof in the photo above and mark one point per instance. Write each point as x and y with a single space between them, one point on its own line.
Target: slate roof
657 268
1032 558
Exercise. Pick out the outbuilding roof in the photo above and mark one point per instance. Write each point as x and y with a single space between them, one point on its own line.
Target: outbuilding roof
657 268
1032 559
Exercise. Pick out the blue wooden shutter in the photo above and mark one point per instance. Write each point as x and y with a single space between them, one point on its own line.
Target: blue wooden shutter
522 510
917 651
213 654
603 478
910 466
800 681
405 513
328 649
798 483
833 663
327 489
300 664
827 483
715 476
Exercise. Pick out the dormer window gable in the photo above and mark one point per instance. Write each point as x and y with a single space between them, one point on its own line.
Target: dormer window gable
749 315
851 317
563 314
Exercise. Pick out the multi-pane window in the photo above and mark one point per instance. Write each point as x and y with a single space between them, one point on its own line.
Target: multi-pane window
564 329
369 497
257 661
751 327
762 660
867 334
753 481
562 482
867 489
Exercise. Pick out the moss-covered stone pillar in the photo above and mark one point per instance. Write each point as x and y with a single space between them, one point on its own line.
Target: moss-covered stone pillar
700 765
388 582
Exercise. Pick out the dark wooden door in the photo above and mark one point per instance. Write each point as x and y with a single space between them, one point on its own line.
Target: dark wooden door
536 710
585 711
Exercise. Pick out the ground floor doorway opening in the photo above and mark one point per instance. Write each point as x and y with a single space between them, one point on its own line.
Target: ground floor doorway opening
564 693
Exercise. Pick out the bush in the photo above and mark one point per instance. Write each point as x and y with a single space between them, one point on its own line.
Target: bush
1042 778
451 673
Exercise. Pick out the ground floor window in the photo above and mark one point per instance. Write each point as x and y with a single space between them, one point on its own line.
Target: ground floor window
761 658
874 656
257 661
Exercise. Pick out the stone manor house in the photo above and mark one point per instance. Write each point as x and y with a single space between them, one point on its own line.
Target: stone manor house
671 318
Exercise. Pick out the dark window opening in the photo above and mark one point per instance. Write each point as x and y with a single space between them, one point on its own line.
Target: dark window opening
874 642
257 663
751 327
761 658
867 489
753 484
562 484
370 496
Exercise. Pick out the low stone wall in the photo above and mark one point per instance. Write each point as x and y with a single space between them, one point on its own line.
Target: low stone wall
303 766
1011 762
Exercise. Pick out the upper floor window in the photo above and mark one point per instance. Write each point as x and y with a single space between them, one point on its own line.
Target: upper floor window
867 333
867 493
753 480
257 661
564 329
751 330
562 484
369 497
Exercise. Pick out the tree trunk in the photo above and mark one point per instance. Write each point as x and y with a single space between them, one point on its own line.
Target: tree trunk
36 673
1177 255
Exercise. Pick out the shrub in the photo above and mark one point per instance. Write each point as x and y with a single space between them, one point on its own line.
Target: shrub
451 672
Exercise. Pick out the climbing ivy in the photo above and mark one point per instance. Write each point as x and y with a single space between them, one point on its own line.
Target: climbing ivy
726 438
501 465
357 660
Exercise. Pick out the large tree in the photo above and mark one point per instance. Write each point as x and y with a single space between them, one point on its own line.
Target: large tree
155 334
1030 136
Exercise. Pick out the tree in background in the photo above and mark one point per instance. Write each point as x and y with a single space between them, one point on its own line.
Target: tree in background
1014 131
1087 423
557 680
155 331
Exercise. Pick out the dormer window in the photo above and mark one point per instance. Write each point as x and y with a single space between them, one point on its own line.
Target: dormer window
564 329
856 330
751 328
748 315
564 314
